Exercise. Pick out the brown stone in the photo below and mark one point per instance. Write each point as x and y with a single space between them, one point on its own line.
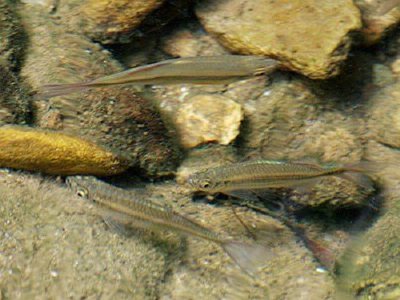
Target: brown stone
308 36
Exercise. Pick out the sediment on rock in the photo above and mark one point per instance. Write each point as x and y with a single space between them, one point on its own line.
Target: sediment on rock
13 39
15 106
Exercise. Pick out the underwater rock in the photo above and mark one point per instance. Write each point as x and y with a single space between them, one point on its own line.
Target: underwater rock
106 21
369 268
377 24
115 118
55 153
208 118
191 40
395 67
53 245
14 99
384 116
12 37
289 31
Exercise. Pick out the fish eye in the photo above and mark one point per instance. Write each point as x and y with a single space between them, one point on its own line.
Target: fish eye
82 193
205 184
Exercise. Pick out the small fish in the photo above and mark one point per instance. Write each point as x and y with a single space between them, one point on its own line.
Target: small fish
197 70
264 174
120 206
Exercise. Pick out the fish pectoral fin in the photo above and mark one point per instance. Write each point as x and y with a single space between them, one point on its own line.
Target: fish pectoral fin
121 222
271 199
118 227
244 195
267 194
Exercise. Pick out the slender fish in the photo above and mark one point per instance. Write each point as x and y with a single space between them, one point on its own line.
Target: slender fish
197 70
264 174
120 206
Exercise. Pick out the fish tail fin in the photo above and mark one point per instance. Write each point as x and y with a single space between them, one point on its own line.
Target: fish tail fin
54 90
248 256
367 167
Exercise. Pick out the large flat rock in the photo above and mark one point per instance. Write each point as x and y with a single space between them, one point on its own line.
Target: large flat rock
309 36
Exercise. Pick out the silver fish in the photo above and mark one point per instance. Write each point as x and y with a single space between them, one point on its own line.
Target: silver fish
119 205
196 70
264 174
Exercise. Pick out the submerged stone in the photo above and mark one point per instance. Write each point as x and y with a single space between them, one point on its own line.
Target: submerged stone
12 37
377 23
107 21
114 118
310 37
55 153
208 118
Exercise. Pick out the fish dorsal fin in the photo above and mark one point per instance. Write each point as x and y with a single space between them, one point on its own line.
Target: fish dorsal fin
309 161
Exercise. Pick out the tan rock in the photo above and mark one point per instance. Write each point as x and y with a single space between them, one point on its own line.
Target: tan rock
191 41
308 36
208 118
109 21
395 67
379 18
369 269
384 121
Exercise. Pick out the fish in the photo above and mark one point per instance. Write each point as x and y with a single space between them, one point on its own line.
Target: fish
195 70
120 205
264 174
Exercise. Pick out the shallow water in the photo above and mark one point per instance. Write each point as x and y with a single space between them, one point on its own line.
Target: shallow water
333 240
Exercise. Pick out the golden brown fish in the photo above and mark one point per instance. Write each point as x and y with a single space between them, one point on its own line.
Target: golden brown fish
197 70
264 174
119 205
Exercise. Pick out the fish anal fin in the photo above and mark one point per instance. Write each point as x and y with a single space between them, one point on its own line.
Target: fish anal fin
267 194
116 226
122 222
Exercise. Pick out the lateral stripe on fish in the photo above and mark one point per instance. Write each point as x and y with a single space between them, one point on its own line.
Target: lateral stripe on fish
247 256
